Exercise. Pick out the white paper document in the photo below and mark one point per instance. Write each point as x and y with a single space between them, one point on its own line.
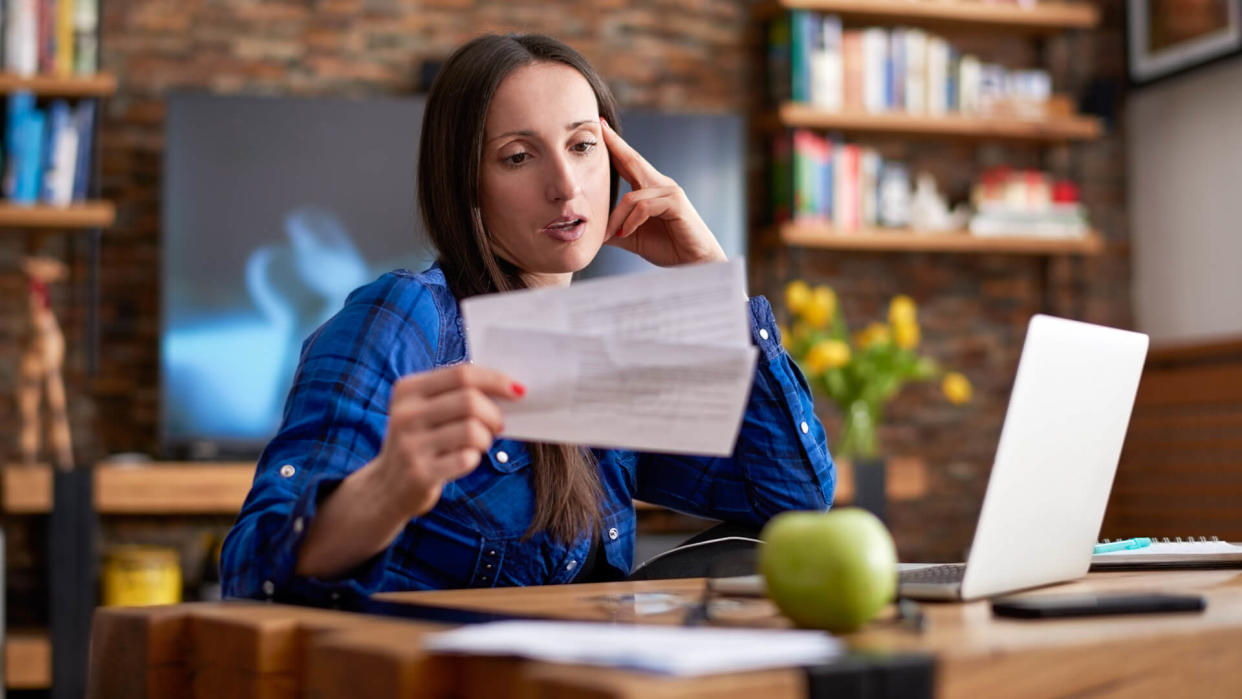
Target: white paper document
669 650
654 362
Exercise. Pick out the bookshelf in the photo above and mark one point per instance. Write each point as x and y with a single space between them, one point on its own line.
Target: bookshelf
52 87
1045 17
160 488
79 216
904 240
1072 127
97 85
1059 127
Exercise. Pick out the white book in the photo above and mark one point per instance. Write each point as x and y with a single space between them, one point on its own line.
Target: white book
968 84
827 66
937 75
916 66
875 69
21 46
64 160
868 186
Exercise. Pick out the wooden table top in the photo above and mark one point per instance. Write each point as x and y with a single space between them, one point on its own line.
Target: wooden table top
262 650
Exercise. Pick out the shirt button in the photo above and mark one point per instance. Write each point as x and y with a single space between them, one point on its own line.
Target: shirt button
502 457
571 565
492 552
763 333
287 470
613 534
269 588
805 427
297 525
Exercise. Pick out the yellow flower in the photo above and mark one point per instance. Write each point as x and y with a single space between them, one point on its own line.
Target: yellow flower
902 311
828 354
906 335
956 388
874 334
797 296
821 307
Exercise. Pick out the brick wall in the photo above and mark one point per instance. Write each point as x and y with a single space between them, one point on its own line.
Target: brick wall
670 54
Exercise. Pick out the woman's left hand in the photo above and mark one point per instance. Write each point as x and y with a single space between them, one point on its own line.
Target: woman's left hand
655 220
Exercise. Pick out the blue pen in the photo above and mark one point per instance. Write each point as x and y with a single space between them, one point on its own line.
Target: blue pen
1122 545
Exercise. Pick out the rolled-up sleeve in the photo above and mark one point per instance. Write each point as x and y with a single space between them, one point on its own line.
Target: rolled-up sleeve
780 461
334 424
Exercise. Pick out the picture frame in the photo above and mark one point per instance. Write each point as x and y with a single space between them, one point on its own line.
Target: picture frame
1169 37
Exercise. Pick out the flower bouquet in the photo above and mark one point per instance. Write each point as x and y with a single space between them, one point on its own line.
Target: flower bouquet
861 370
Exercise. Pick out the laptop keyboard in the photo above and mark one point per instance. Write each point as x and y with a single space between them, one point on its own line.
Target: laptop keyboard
947 573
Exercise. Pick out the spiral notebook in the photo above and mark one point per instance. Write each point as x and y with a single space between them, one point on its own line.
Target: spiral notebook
1164 552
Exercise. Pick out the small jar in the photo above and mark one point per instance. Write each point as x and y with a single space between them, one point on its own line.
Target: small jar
136 576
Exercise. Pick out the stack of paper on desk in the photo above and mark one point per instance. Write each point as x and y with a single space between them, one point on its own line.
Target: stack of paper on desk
660 361
670 650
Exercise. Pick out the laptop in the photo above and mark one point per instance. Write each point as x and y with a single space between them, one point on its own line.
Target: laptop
1054 467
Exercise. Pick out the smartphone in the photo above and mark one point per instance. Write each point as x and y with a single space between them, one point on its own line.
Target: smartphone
1069 605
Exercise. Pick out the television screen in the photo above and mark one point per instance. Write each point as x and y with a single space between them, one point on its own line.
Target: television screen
274 209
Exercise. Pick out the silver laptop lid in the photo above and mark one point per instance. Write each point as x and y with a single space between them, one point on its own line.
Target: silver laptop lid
1057 456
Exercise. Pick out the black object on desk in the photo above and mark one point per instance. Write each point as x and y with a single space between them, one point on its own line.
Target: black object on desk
866 675
1071 605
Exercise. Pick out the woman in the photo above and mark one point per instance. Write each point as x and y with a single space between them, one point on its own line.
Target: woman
387 472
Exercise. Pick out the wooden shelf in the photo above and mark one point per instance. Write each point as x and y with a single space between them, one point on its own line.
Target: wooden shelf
27 660
98 85
90 214
1045 17
1057 129
904 240
139 489
26 489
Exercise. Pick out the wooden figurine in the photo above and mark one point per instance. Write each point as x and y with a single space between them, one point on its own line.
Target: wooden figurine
40 368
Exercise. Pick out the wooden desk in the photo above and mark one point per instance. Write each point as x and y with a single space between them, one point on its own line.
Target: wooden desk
276 651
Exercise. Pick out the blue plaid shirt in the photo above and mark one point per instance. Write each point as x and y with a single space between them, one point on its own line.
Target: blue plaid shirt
334 424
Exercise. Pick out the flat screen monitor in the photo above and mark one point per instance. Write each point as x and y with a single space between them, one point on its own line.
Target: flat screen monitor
275 208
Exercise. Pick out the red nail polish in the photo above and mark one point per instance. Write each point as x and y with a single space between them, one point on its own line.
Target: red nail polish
518 389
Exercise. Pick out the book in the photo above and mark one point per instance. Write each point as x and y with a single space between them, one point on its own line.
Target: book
827 70
62 155
85 36
1201 552
21 27
28 156
915 55
875 70
84 122
780 59
62 58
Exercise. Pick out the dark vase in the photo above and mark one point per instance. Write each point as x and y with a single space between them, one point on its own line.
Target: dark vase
869 486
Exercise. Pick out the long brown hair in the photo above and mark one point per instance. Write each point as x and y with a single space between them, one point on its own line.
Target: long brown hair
566 480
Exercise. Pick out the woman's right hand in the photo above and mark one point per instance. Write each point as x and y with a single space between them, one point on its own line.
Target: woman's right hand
440 423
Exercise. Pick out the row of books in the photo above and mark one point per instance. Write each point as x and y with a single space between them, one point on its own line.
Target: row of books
50 37
47 152
1026 202
818 180
849 186
813 59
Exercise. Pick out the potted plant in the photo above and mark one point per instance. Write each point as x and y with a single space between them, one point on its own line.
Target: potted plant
860 372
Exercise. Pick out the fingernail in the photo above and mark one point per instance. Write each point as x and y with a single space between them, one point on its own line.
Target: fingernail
518 389
603 121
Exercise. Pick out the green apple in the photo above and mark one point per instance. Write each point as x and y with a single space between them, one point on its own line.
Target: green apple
830 570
